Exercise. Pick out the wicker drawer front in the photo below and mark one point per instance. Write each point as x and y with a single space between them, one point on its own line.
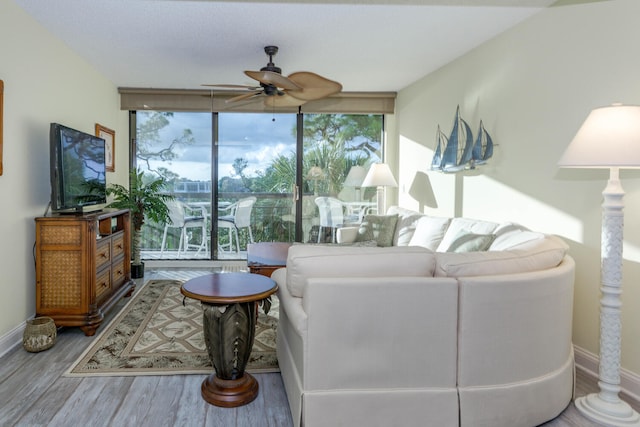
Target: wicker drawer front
62 286
103 252
61 234
117 246
103 284
117 273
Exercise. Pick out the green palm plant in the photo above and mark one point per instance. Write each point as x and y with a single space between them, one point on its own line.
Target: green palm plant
144 199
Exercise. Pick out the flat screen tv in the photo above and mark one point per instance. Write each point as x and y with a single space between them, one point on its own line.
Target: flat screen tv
78 172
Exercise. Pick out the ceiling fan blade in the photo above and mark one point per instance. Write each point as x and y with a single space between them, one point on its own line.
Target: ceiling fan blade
234 86
242 97
282 101
313 86
274 79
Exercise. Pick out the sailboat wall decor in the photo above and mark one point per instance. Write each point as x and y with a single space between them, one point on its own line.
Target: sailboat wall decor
459 151
482 149
441 145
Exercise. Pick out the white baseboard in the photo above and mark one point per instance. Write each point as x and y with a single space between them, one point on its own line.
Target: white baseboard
11 339
588 363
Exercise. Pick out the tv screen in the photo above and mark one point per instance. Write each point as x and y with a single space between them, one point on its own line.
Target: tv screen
78 173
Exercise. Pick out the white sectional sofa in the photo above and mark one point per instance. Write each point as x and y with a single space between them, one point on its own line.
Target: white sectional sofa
407 336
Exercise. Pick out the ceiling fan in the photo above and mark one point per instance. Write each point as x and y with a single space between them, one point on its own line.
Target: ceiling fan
279 91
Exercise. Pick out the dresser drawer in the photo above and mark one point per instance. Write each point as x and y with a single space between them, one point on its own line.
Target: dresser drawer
118 273
103 284
117 245
103 252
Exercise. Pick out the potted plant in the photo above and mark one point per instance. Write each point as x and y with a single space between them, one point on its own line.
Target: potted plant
144 200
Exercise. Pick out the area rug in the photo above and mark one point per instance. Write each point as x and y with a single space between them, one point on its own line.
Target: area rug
156 334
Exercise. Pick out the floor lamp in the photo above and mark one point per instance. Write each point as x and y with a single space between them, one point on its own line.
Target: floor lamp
380 176
354 179
609 138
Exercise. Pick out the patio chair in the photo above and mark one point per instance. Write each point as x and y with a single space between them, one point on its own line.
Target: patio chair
184 218
239 217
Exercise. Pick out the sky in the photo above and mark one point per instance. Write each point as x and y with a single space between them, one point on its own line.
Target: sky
258 138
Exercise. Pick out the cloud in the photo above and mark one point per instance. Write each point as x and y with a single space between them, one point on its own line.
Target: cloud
256 138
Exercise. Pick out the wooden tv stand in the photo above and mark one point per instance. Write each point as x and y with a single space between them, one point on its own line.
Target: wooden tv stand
83 266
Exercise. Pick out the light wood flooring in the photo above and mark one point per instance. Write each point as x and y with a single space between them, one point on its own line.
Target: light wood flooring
33 391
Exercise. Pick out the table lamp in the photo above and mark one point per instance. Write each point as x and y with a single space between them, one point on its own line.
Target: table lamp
609 138
354 178
380 176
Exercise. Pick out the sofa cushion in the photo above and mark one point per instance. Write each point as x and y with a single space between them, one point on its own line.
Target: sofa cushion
429 232
471 242
306 261
407 221
469 225
380 228
346 234
533 255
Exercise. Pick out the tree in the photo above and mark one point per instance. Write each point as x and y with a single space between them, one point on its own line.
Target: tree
239 165
333 142
279 177
361 135
149 143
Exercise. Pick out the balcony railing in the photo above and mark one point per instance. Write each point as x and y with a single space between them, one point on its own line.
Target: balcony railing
270 222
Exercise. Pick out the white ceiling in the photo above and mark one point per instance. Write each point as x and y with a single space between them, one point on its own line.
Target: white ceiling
367 45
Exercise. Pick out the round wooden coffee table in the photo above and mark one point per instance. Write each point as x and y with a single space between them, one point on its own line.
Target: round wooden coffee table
230 311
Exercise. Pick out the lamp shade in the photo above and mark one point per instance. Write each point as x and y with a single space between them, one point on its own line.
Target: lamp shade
609 138
355 176
379 175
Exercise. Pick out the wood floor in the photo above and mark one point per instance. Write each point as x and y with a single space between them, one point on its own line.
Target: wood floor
33 391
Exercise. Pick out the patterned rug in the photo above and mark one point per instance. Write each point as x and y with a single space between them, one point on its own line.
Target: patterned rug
155 334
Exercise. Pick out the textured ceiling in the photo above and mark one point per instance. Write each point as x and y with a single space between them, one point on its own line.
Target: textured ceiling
367 45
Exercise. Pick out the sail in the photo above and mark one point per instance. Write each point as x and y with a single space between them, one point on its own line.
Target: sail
459 148
441 145
483 147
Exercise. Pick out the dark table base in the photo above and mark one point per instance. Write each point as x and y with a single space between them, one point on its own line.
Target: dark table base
229 306
229 332
229 393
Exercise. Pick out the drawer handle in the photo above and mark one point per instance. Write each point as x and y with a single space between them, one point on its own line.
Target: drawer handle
103 284
119 246
103 255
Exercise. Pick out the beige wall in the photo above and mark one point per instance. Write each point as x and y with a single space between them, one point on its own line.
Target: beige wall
533 86
44 82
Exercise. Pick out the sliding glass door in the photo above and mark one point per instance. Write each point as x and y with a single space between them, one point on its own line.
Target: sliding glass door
239 178
256 175
337 152
177 146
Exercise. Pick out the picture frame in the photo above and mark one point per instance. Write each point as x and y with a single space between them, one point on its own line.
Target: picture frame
109 137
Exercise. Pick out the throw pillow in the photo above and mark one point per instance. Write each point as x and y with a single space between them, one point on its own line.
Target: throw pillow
429 232
467 224
379 228
513 239
470 242
406 225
